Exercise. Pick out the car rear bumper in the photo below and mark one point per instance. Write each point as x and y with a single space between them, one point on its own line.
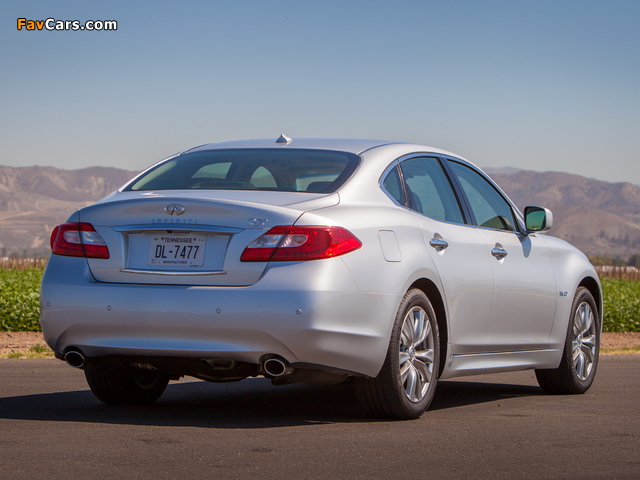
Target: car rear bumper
310 312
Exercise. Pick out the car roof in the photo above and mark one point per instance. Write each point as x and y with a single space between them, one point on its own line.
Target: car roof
356 146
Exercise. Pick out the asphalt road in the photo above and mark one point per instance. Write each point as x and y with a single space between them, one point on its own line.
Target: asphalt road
491 426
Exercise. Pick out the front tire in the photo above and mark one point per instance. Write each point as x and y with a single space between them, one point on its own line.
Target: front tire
581 351
126 388
407 381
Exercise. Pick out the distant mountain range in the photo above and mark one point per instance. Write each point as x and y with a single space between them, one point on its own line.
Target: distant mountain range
33 200
600 218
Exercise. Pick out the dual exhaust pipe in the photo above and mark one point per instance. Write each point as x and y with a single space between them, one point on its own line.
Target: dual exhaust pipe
274 366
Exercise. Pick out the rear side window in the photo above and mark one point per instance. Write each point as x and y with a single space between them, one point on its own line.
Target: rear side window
393 185
291 170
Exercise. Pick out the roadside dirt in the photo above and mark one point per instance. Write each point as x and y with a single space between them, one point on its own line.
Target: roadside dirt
12 342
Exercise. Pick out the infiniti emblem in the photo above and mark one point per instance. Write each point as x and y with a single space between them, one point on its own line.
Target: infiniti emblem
174 208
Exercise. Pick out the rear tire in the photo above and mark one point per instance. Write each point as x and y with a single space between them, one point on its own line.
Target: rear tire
581 350
407 381
125 388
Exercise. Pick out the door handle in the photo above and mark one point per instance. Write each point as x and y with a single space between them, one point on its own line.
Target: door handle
499 252
438 244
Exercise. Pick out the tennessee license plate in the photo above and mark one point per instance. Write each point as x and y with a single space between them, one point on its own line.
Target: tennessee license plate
177 250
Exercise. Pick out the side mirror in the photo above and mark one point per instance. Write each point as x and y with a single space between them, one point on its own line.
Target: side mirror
538 219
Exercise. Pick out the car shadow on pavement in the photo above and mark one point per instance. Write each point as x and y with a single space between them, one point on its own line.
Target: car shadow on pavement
253 403
451 394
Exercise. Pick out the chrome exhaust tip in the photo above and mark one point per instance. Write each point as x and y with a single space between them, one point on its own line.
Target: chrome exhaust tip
276 367
74 359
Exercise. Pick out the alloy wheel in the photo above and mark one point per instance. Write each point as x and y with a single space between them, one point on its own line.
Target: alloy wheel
416 354
584 341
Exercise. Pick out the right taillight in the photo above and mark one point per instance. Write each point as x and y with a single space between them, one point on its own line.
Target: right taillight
78 240
308 242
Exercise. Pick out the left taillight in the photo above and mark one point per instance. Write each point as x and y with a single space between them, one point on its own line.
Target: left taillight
288 243
78 240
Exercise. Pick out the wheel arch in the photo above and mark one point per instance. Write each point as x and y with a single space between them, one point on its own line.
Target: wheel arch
433 294
594 288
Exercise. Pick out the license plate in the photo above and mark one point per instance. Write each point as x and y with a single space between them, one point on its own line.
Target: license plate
177 250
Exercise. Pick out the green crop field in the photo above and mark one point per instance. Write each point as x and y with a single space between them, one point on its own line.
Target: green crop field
19 302
621 305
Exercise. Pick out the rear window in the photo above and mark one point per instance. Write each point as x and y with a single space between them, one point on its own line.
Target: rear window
291 170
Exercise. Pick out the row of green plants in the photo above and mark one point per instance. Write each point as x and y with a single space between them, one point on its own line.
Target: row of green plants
621 305
20 295
20 300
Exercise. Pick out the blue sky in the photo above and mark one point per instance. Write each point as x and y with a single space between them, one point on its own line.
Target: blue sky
541 85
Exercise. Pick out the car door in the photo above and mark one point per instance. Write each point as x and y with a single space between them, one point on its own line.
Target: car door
525 296
458 251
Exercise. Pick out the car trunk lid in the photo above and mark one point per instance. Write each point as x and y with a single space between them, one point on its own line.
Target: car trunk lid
187 238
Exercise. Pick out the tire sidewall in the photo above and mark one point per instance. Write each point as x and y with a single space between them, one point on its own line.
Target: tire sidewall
582 296
413 298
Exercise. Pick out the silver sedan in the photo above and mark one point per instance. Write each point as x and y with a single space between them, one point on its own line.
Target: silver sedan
390 264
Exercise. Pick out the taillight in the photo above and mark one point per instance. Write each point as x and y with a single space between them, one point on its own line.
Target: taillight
78 240
287 243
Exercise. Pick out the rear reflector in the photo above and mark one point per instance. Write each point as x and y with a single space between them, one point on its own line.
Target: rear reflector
287 243
78 240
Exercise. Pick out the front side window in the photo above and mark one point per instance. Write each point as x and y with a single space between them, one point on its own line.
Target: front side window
291 170
490 208
429 191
